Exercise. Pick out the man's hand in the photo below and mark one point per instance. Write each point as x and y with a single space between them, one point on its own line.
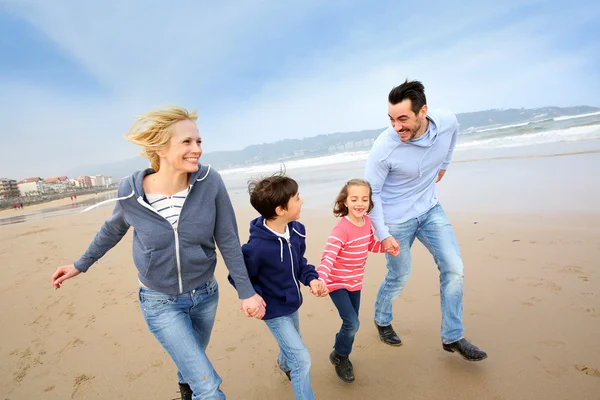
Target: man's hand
440 175
393 252
391 246
254 307
318 288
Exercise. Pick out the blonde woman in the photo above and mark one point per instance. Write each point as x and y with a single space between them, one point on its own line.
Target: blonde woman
178 209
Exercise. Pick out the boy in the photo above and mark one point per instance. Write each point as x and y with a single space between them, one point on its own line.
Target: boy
274 257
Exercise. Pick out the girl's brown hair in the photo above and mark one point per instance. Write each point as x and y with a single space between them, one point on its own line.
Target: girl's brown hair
339 208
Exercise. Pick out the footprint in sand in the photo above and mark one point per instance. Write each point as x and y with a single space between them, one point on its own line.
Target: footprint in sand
513 279
531 302
79 380
546 283
230 348
552 343
588 370
592 311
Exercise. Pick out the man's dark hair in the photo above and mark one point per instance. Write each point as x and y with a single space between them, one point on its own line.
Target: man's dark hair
413 90
269 193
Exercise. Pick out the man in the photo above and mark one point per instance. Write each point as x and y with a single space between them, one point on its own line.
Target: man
405 163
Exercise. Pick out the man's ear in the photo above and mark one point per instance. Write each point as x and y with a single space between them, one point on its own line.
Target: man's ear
423 112
279 211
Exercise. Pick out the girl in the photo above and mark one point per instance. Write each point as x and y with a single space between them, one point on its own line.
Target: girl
179 210
343 264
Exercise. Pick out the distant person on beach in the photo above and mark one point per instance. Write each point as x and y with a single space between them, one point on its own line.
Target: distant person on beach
343 266
405 163
174 246
274 256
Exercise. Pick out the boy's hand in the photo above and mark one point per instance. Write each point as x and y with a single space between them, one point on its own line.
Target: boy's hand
254 307
318 288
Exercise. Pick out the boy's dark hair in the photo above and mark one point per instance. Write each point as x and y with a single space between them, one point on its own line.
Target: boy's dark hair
339 208
269 193
412 90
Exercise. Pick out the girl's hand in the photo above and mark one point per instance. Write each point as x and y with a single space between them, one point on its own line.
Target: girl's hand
62 274
393 251
318 288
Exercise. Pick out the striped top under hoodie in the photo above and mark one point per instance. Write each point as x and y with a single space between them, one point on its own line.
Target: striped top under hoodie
345 255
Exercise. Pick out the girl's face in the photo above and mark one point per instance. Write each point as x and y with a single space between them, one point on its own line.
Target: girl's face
184 148
357 202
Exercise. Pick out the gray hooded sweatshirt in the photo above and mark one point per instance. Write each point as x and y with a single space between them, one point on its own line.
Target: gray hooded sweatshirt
175 260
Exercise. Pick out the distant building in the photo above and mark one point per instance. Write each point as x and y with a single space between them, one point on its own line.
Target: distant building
31 186
84 182
57 184
9 188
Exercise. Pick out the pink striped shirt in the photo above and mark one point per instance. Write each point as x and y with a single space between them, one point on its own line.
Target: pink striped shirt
345 255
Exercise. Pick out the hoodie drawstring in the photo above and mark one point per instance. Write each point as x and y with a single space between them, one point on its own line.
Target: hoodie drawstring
280 249
108 201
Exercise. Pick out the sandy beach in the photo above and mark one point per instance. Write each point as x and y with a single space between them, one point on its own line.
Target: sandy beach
532 301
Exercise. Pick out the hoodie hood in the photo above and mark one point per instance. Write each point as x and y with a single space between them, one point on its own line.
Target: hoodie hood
259 231
136 180
132 185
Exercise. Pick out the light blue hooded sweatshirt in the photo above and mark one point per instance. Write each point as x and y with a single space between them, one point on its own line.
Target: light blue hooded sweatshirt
403 175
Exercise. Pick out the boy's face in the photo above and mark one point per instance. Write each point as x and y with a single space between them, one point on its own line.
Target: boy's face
294 206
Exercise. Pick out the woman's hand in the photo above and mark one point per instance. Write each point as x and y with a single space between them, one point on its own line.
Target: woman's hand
62 274
254 307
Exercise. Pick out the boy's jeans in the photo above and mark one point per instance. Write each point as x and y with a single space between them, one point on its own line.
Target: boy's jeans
293 355
435 232
183 324
347 304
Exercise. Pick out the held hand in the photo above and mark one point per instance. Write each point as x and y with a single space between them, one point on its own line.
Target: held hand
318 288
440 175
254 307
390 245
393 252
62 274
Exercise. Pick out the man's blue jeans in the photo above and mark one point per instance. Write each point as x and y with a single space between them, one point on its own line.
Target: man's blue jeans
435 232
293 355
183 324
348 305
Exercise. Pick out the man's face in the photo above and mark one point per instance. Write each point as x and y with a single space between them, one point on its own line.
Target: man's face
404 121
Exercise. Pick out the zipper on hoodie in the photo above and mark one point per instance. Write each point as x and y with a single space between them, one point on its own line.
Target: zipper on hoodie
149 207
293 272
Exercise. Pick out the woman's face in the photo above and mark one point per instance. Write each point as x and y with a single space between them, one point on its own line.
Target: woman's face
184 149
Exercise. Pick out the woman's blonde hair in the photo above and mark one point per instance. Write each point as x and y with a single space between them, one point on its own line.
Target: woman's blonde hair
153 130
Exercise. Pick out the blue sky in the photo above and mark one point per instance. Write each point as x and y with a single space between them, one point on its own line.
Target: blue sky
73 75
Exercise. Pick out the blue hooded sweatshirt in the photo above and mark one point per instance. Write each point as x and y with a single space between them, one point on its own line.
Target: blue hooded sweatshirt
275 266
175 260
402 175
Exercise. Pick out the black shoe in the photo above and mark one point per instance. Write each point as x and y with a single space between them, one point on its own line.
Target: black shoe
467 350
388 335
343 367
186 391
288 374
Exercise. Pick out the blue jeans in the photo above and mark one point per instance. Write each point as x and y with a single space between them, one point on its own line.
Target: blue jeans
293 355
435 232
347 304
183 324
